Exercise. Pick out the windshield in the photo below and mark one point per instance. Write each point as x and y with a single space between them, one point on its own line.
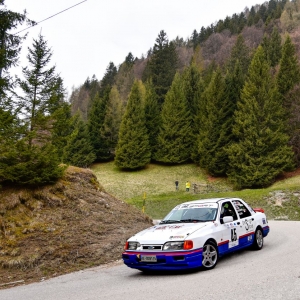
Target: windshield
192 213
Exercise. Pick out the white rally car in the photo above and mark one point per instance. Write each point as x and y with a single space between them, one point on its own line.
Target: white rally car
196 234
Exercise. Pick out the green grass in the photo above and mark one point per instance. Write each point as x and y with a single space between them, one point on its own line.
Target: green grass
153 180
153 190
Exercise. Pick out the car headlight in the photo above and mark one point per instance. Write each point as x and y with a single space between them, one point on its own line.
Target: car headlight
186 245
132 245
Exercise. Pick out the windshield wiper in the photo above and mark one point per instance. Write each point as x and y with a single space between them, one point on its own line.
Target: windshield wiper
170 221
192 220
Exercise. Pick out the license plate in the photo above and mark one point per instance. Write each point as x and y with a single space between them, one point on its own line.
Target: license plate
148 258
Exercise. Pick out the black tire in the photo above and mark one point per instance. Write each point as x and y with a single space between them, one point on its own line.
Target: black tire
210 255
258 242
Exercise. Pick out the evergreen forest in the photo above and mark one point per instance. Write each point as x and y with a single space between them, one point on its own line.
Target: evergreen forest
227 99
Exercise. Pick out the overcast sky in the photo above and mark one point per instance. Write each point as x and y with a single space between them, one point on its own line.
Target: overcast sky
85 38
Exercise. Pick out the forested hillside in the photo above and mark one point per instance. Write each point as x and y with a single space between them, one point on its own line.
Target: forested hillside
226 98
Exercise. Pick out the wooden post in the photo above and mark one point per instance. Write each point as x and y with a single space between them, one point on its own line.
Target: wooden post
144 202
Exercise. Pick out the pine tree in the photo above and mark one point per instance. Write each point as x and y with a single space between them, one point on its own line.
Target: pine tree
175 138
212 137
152 116
79 151
129 59
10 131
61 127
9 135
289 71
133 150
9 45
240 52
193 88
108 79
288 79
33 165
234 83
272 47
95 124
34 160
260 152
275 48
110 130
162 65
195 38
125 77
42 91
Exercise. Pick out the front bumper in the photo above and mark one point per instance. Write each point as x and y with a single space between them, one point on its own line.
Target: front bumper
182 260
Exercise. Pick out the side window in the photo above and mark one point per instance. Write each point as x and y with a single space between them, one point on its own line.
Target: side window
227 210
242 210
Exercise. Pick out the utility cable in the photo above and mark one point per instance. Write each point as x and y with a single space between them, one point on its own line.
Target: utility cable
51 16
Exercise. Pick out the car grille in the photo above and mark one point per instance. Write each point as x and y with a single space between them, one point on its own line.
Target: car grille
152 247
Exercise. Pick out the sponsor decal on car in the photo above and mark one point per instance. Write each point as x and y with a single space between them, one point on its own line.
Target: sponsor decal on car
248 224
230 225
177 237
165 227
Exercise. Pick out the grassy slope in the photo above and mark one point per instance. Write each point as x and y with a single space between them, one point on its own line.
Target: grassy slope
60 228
156 184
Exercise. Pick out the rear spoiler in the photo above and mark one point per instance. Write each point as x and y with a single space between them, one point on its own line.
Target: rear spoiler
258 210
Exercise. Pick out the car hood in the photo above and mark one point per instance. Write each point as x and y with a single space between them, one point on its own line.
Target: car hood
166 232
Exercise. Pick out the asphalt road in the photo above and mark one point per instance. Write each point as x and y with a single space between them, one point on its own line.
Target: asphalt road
272 273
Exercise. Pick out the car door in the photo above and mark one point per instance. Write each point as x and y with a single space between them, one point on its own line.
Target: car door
246 223
231 231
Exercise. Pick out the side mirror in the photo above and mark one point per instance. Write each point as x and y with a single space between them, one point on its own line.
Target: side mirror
227 219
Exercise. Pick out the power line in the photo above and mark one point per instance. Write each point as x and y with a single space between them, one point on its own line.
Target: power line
51 16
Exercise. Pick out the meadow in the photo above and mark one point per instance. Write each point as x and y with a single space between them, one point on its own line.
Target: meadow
152 189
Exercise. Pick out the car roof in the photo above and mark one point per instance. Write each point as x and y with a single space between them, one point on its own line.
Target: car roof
210 200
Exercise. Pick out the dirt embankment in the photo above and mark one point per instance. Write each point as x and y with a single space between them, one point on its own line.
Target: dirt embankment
68 226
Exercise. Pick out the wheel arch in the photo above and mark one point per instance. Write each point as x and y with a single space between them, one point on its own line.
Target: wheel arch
211 240
258 227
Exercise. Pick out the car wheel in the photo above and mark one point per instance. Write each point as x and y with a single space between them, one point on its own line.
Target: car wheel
258 239
210 255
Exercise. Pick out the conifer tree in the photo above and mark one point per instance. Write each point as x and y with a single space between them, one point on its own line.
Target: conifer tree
9 45
110 130
195 38
108 79
260 151
152 116
61 128
240 52
212 137
193 88
289 71
95 124
272 47
162 65
9 135
42 90
175 137
133 150
275 48
288 79
79 151
125 77
234 82
34 160
33 165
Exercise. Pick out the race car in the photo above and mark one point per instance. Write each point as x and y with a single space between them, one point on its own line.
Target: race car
196 234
